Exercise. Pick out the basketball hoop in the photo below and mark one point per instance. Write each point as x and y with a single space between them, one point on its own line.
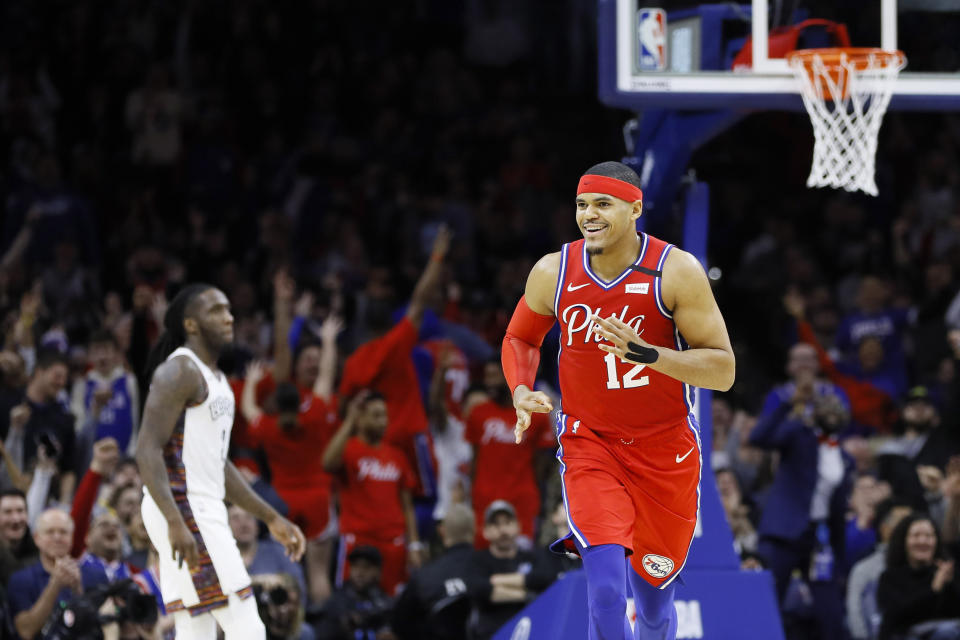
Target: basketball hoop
846 92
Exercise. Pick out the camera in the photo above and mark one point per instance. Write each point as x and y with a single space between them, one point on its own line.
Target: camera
80 618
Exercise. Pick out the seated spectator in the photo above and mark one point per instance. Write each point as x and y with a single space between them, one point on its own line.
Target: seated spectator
280 599
360 608
435 604
861 536
874 318
15 531
504 578
138 554
261 556
376 506
918 585
35 591
126 472
739 513
914 462
106 401
104 548
863 614
802 525
48 424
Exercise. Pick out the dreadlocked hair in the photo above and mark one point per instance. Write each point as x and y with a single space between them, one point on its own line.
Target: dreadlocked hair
173 335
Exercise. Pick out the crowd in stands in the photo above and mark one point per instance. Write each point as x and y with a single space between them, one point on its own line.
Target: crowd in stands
370 212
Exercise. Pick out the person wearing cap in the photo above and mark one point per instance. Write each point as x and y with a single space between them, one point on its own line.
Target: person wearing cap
360 608
435 604
914 463
504 577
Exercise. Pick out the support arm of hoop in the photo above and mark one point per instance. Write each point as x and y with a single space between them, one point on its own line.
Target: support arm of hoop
520 354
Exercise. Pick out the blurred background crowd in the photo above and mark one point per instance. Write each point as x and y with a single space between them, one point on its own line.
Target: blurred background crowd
370 199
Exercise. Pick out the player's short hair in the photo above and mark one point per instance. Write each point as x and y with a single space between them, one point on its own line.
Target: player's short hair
173 335
615 170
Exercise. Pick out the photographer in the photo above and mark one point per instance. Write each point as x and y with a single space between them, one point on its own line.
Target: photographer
34 592
803 524
118 611
279 600
359 609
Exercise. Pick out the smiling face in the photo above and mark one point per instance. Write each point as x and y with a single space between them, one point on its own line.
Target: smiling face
921 543
605 220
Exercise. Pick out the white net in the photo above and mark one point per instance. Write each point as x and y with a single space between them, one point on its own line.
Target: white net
846 94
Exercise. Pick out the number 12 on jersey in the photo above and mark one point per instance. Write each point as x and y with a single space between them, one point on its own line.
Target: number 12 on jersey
630 379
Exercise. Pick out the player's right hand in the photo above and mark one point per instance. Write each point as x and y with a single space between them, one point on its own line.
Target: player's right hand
183 545
527 402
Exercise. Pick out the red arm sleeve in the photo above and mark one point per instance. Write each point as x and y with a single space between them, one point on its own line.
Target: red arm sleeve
363 367
520 355
83 501
806 334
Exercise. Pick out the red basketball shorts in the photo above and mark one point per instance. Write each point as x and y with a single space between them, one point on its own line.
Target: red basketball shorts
393 572
310 509
642 494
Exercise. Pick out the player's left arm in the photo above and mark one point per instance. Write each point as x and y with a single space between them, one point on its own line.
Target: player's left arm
709 362
285 532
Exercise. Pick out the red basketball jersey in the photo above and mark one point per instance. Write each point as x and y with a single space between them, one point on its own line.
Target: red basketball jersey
617 398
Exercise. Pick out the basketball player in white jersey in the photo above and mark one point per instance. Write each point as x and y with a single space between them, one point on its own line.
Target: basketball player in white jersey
182 453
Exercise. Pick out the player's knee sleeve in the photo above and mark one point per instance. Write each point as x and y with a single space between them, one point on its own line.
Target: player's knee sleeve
654 606
240 620
606 579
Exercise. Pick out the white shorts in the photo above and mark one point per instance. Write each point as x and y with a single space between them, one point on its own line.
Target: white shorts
221 570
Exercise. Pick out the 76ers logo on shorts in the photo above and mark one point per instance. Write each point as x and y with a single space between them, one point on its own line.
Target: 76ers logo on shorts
657 566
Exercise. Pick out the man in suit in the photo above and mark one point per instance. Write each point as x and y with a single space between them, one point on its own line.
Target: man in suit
803 524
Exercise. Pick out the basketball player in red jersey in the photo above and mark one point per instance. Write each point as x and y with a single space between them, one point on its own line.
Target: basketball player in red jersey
638 328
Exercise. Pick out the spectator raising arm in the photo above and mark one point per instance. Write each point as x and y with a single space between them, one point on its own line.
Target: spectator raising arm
333 455
283 291
105 457
248 399
430 278
329 330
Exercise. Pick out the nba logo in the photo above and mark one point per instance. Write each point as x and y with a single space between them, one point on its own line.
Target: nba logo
651 39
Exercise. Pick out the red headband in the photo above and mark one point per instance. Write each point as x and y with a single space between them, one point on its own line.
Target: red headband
611 186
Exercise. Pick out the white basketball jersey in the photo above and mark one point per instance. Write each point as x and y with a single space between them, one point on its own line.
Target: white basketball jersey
205 436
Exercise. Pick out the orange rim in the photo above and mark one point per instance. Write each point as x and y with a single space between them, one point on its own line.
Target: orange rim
862 58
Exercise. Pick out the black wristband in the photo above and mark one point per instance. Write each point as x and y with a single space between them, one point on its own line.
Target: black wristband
643 355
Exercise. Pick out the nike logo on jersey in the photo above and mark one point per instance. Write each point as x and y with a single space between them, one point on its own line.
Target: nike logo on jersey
684 456
638 287
570 286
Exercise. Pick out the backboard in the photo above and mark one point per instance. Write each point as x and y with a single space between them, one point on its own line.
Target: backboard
678 54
